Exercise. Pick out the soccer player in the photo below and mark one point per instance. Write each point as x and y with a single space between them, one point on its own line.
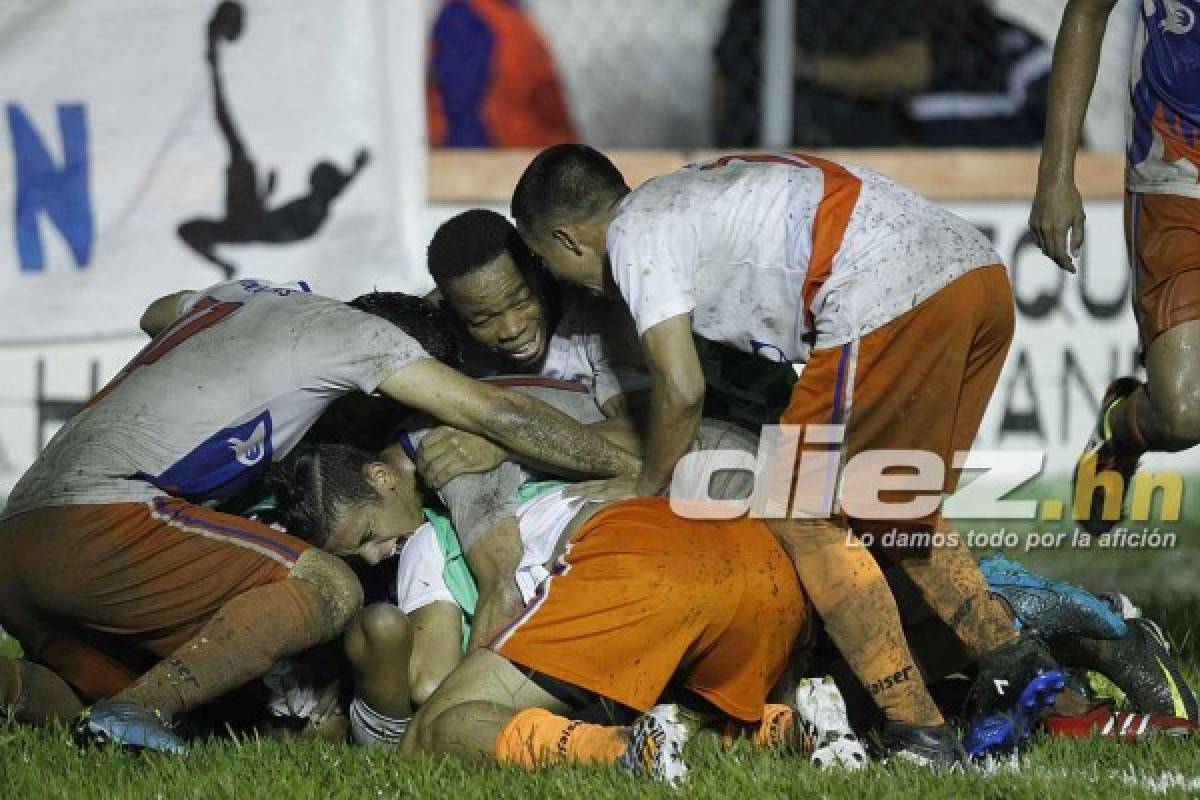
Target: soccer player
903 314
714 606
1162 227
118 580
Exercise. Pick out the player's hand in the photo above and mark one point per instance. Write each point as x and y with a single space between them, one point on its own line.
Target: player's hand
609 490
1058 212
445 453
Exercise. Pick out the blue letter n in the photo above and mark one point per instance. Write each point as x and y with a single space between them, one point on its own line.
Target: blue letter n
62 192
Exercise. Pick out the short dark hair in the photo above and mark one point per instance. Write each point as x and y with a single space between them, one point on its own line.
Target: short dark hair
566 183
465 242
423 321
311 486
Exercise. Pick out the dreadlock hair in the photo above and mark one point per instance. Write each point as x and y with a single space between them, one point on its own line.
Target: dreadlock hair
312 487
425 322
566 183
466 242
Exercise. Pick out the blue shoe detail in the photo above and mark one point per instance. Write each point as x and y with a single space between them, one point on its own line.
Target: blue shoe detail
1050 608
127 725
1003 732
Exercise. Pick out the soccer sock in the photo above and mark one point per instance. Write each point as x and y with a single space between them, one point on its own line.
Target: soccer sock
373 729
777 729
240 643
536 738
848 590
953 587
36 695
1122 423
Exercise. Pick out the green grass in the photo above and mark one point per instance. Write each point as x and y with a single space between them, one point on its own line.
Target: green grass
42 763
36 764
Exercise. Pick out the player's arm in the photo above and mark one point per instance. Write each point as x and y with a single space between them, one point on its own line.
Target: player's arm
1057 206
676 405
160 314
494 560
437 647
531 430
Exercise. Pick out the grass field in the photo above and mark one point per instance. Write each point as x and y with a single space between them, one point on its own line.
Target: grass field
36 764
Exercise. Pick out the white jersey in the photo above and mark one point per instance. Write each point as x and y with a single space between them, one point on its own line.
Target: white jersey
595 344
420 572
233 384
778 254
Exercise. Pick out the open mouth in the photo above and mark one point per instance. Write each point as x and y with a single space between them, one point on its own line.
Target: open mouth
528 351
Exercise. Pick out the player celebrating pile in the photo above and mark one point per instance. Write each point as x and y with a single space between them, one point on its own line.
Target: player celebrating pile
898 308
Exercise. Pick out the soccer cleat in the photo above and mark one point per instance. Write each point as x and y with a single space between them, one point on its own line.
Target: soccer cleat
935 746
127 725
821 711
1142 666
1125 726
1003 732
1004 672
1104 455
655 748
1047 607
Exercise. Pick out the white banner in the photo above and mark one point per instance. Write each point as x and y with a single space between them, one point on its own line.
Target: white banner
1073 335
149 146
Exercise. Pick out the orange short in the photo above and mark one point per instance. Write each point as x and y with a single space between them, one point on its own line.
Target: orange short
642 597
1163 233
99 593
921 382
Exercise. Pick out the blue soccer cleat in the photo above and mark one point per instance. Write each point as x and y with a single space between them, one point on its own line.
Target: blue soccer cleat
128 725
1003 732
1050 608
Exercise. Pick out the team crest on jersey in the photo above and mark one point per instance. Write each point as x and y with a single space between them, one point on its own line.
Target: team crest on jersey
1179 18
250 451
222 465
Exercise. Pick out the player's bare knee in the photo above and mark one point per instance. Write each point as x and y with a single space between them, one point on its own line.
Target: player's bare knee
380 631
1178 418
338 587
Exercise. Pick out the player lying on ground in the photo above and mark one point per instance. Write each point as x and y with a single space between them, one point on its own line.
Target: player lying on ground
1162 231
896 305
122 587
639 600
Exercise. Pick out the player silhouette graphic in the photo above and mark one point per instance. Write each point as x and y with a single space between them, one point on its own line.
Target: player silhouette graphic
247 216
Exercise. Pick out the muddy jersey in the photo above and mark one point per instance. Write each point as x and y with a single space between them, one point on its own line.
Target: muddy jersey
1163 148
777 254
229 387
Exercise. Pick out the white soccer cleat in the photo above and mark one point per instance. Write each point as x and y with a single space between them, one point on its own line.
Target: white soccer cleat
820 708
655 748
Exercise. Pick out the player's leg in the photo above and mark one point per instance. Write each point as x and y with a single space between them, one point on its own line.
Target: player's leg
1163 414
379 645
844 583
218 598
35 695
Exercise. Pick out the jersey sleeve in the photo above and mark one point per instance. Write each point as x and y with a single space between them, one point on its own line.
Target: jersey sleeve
653 265
420 572
342 349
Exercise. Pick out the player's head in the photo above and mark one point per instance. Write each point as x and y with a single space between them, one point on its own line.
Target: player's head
563 205
487 277
348 501
423 321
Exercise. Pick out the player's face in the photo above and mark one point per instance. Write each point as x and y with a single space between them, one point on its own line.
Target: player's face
502 310
574 255
374 530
